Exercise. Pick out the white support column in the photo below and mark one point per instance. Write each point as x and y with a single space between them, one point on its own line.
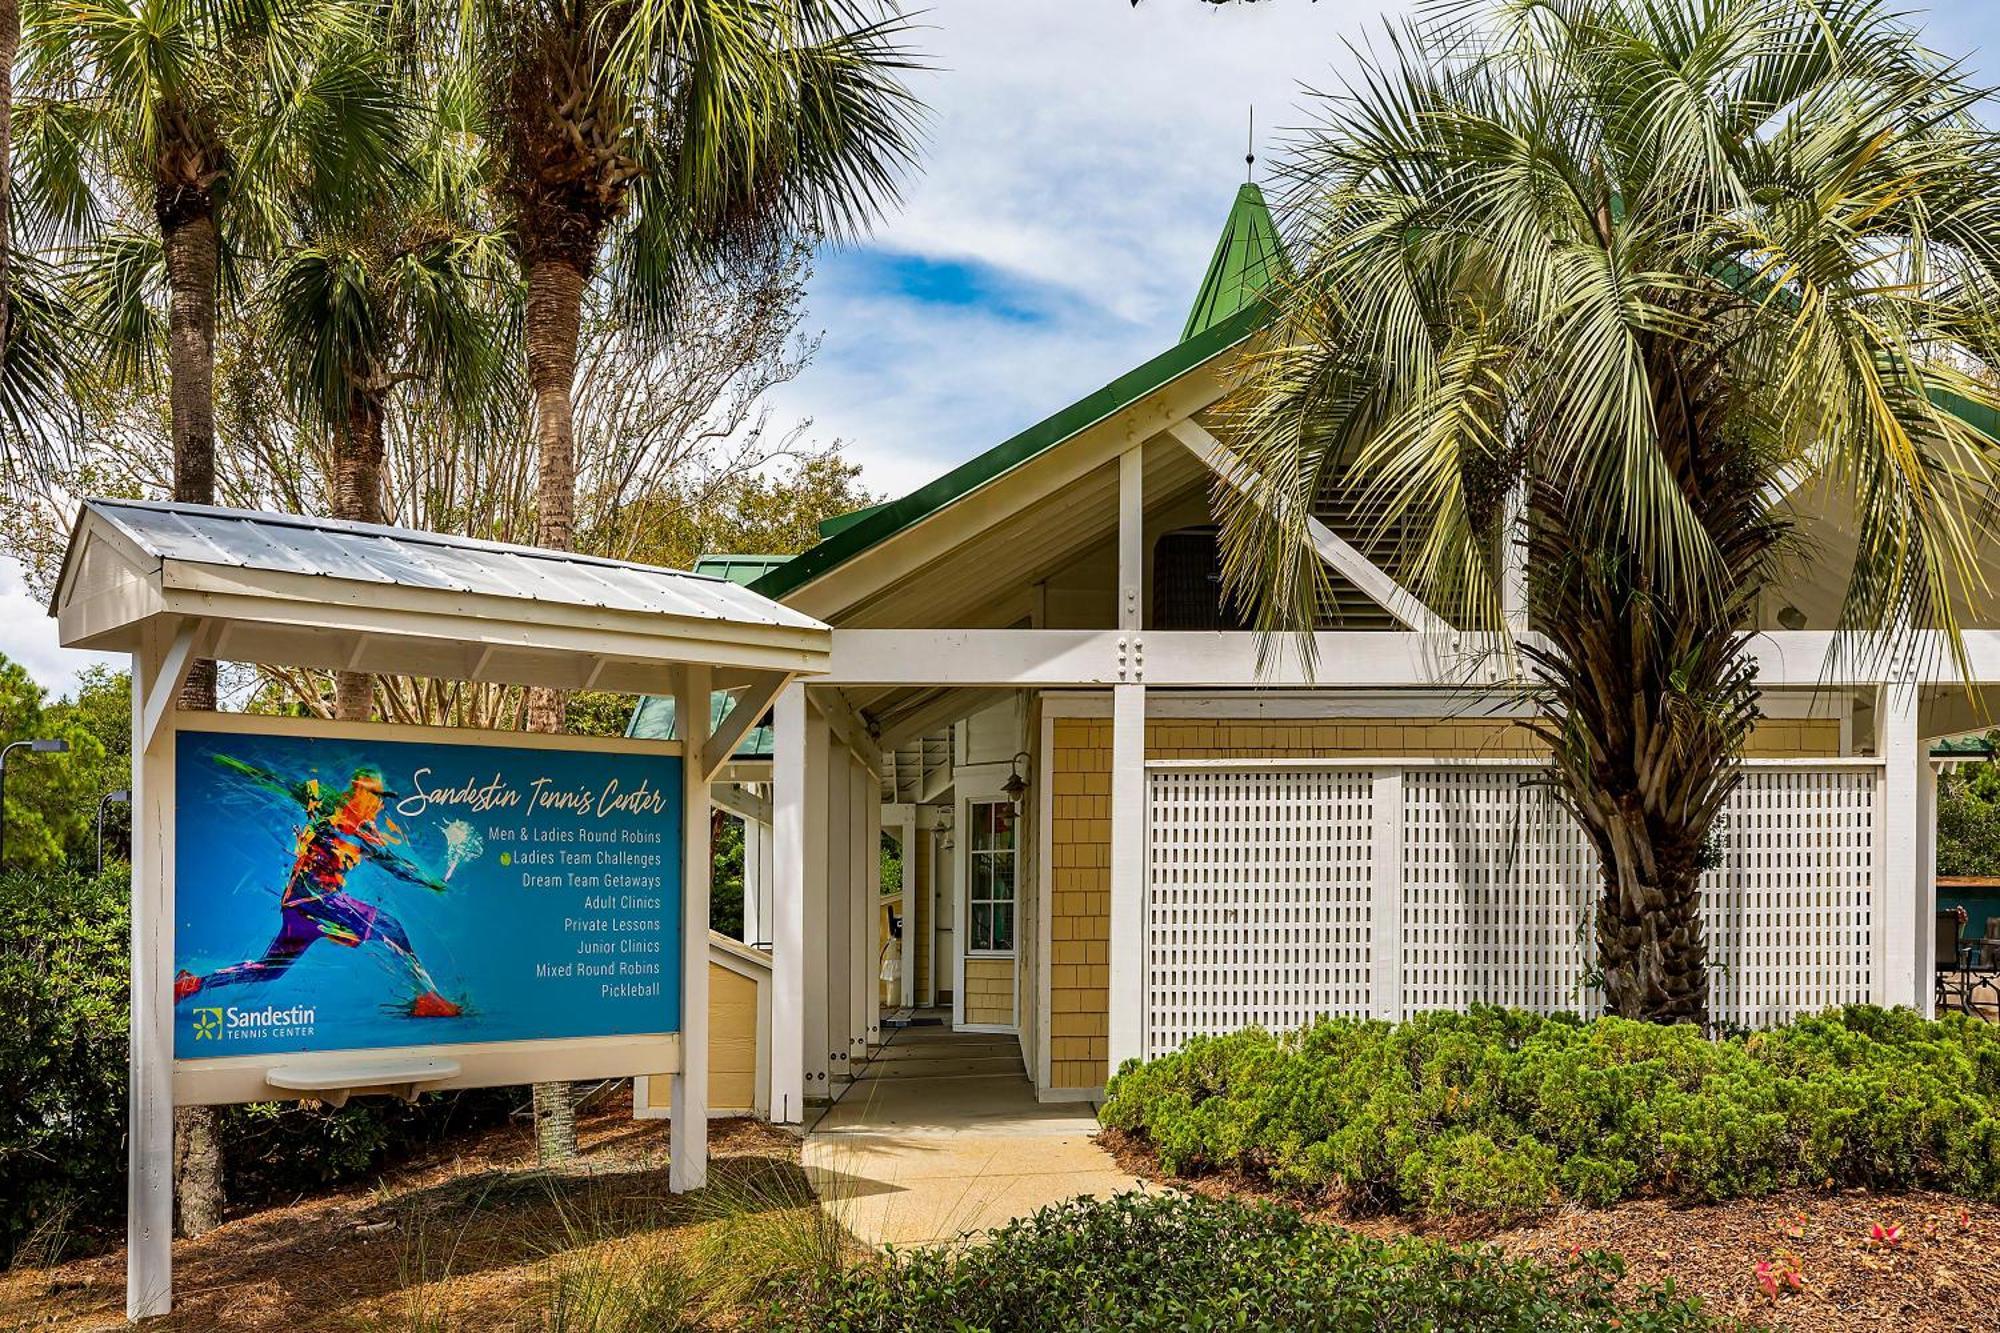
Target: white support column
687 1160
755 886
867 800
1127 982
787 931
837 936
1903 880
149 1220
861 798
818 888
1927 783
1126 1035
1386 910
767 880
913 889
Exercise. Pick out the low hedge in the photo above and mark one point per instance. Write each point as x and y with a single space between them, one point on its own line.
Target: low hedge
1497 1113
1182 1263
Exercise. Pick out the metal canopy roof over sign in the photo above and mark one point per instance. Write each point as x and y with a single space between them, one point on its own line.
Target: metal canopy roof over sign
280 588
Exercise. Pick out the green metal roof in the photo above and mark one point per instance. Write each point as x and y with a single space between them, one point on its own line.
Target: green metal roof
739 569
653 720
839 522
1249 257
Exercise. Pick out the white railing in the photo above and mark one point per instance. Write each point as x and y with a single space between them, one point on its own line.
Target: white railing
1281 890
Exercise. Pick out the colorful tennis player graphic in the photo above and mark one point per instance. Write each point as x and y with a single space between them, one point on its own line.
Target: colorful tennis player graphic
340 831
348 892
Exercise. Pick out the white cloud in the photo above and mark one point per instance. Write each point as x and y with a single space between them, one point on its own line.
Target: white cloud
1087 150
28 636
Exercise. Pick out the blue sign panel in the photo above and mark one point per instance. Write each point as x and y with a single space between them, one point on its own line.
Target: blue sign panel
340 893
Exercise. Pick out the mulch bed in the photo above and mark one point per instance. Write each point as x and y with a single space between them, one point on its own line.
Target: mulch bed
1942 1276
434 1242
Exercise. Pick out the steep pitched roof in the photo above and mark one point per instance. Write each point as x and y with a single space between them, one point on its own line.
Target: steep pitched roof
1249 258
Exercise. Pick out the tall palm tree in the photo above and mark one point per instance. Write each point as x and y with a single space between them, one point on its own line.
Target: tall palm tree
406 287
665 134
179 111
1638 270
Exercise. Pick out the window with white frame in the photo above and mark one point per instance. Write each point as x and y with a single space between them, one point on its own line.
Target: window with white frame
990 877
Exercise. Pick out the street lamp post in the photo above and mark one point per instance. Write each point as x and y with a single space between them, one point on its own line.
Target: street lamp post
123 796
42 745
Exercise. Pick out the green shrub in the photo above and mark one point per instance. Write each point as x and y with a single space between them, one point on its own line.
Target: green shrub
1160 1262
64 980
1495 1112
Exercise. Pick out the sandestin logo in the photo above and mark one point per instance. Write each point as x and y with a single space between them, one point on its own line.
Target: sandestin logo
213 1024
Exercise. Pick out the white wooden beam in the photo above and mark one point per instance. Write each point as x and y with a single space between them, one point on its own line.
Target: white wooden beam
1343 659
847 724
163 689
687 1161
749 705
1363 573
1132 538
740 801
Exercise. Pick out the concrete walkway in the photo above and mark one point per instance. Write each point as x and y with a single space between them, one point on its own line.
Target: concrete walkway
942 1135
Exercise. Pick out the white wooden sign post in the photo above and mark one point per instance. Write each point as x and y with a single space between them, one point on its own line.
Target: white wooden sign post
173 584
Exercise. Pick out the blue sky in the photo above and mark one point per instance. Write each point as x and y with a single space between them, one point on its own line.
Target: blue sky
1081 157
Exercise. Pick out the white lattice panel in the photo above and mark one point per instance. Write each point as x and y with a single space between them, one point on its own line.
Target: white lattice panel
1790 911
1498 887
1261 900
1258 904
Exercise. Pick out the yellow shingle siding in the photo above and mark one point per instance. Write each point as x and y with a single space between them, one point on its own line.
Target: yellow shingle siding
1794 738
1079 961
732 1045
1317 738
989 991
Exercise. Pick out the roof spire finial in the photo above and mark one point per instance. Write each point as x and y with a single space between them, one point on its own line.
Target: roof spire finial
1250 147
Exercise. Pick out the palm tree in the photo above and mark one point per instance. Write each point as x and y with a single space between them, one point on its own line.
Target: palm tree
672 133
180 110
406 286
1638 270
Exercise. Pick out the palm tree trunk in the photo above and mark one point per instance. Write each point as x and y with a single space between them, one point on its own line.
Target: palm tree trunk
191 267
357 496
190 241
10 44
554 319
